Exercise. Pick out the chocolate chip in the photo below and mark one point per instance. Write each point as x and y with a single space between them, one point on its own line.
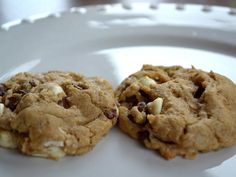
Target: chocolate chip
22 92
199 92
110 114
141 106
2 89
185 130
12 102
144 94
142 135
132 99
145 97
64 103
131 117
32 83
80 86
60 102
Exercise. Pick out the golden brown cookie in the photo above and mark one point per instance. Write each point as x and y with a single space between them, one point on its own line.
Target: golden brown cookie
55 113
178 111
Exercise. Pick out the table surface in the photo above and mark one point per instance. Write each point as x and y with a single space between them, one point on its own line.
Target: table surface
17 9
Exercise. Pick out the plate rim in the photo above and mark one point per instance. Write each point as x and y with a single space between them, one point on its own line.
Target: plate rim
31 19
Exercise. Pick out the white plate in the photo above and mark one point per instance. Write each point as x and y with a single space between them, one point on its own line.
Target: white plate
114 41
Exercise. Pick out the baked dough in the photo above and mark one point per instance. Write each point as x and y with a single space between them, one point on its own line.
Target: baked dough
55 113
178 111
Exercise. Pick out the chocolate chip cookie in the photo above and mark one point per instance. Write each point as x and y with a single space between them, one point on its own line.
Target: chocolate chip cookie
178 111
55 113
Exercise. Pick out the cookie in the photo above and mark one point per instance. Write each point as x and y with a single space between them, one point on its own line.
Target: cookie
178 111
55 113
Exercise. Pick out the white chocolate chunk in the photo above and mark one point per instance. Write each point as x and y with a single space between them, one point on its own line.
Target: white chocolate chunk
40 155
61 130
117 111
51 152
147 81
1 109
54 143
56 152
7 139
155 106
55 88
